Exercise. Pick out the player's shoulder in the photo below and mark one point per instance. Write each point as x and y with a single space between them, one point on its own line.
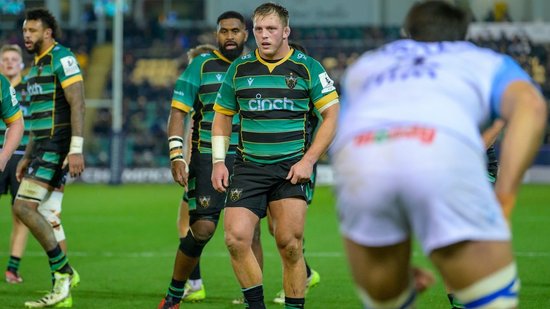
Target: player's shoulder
3 81
301 57
60 51
204 57
248 57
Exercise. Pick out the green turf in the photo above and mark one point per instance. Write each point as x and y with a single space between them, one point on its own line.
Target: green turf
122 241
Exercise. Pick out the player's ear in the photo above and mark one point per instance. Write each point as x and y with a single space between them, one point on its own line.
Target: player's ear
22 65
286 32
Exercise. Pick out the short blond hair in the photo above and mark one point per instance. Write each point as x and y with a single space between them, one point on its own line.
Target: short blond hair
11 47
199 49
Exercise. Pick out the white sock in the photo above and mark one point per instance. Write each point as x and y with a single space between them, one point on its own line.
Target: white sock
195 284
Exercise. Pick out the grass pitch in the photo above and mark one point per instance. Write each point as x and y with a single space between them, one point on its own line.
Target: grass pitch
122 240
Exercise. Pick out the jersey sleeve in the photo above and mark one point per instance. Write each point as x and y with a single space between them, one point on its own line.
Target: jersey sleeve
10 105
226 101
67 69
187 87
322 92
508 72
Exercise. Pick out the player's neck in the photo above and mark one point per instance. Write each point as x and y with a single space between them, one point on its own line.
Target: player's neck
280 54
45 47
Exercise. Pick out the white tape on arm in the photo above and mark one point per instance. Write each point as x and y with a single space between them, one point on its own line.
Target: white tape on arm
77 143
220 145
175 143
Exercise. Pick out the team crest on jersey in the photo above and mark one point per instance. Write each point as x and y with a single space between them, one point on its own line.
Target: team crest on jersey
235 194
291 80
204 201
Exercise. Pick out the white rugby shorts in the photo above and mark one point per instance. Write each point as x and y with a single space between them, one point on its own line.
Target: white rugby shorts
433 186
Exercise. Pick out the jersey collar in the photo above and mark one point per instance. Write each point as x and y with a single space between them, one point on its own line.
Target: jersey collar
221 56
37 58
272 66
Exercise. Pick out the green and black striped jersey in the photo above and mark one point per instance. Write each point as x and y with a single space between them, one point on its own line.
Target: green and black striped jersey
275 101
9 106
195 92
21 95
52 71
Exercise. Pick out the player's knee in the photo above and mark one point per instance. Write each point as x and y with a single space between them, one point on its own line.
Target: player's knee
405 300
498 290
191 246
290 248
236 243
203 230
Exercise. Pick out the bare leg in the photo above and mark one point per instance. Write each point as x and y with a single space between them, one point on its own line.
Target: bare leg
467 262
18 238
383 272
239 225
289 214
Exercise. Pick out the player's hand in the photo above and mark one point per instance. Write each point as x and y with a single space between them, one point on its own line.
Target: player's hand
423 279
220 176
75 161
180 172
300 172
507 202
22 166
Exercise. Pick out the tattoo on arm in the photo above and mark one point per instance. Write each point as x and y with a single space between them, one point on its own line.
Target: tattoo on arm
75 96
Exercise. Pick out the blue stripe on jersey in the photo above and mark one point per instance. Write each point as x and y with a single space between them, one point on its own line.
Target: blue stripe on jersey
505 292
508 72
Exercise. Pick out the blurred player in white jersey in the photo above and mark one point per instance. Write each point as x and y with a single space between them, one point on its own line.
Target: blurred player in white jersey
409 160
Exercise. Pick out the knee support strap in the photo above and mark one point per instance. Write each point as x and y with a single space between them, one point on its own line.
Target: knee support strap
50 209
31 191
190 246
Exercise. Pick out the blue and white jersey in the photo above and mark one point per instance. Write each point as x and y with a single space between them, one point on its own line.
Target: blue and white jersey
454 87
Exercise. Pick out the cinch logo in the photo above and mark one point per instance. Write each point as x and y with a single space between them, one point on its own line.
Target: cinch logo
260 104
34 89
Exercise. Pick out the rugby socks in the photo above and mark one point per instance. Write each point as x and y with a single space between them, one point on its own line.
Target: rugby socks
59 261
175 290
292 303
13 264
196 274
254 297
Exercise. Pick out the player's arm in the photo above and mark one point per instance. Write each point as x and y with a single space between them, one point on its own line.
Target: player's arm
74 93
176 134
221 134
183 96
301 171
13 136
23 164
225 107
525 112
491 133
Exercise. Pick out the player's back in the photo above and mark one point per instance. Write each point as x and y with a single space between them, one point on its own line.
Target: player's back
447 85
